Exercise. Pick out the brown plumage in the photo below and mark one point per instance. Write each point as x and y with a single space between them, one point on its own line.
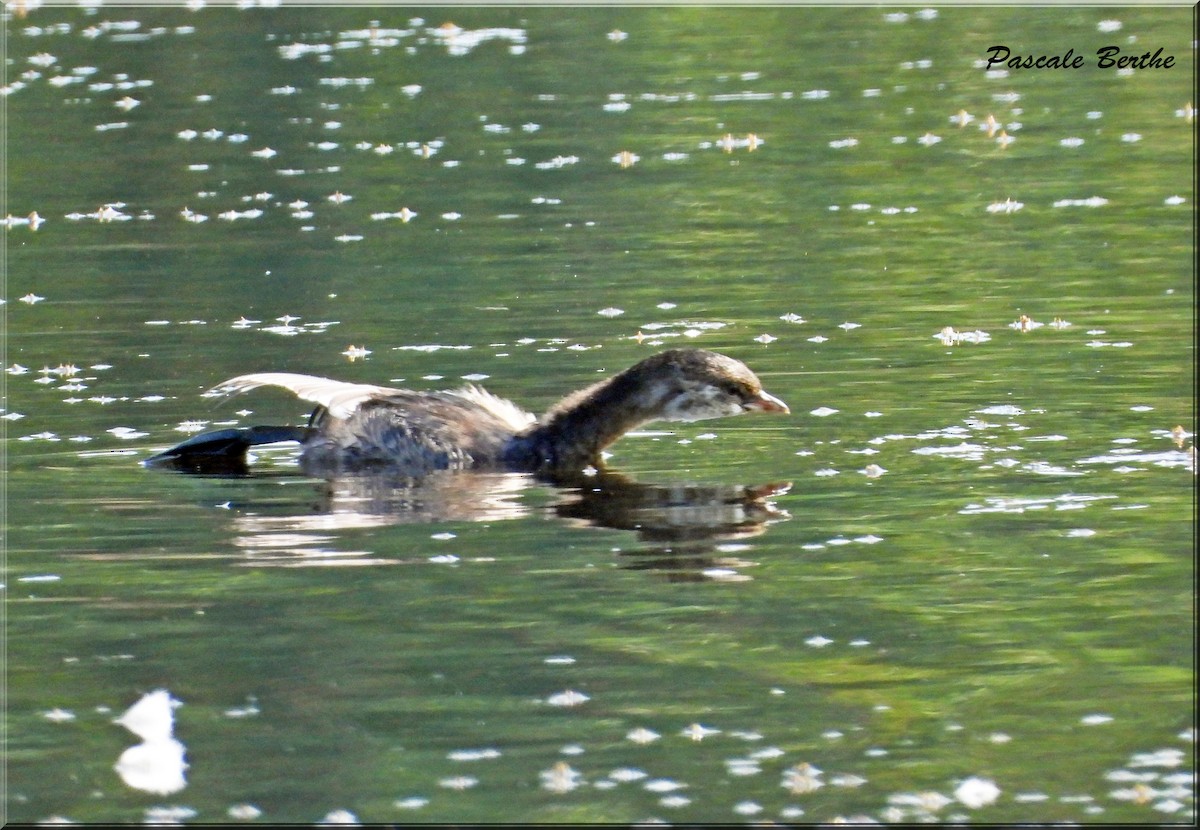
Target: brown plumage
358 426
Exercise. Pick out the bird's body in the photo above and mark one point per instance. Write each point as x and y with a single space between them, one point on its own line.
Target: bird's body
359 426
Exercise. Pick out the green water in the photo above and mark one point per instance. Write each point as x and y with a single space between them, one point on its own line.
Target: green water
1011 600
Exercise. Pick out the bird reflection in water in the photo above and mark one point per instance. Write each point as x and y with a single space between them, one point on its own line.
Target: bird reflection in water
685 531
688 531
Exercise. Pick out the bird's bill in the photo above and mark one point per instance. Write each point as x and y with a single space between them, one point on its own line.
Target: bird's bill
766 402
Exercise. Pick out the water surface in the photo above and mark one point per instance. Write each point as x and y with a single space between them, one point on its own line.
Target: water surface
975 600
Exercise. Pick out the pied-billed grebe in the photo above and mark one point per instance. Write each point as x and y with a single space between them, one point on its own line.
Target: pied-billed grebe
357 425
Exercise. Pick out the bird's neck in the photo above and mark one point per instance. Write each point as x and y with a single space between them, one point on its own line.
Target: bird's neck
575 431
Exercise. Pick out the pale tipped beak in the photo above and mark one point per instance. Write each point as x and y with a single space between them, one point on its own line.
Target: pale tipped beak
766 402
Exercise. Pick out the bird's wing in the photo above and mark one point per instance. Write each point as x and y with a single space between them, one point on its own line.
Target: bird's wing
501 408
339 397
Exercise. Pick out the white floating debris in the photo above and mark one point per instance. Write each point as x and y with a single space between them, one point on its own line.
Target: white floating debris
1091 201
40 578
847 779
251 708
567 698
824 412
1007 206
802 778
929 801
557 162
127 433
624 775
473 754
430 348
404 215
611 312
949 336
1025 323
234 215
1000 409
560 778
176 814
1169 758
642 735
698 732
977 792
663 785
152 716
33 221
